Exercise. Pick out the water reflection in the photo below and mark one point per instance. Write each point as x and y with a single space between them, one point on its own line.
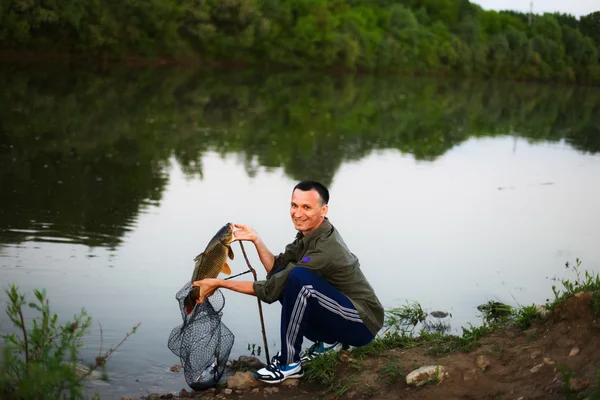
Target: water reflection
83 152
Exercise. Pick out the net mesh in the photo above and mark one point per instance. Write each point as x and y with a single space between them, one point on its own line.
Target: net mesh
202 342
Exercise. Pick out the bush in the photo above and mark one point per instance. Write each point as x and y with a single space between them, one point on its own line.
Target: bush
41 362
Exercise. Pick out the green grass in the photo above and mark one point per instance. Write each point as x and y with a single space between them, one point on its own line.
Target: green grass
391 372
322 369
589 282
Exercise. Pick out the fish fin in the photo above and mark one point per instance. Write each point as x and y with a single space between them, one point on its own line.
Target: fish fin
198 258
197 263
226 269
231 255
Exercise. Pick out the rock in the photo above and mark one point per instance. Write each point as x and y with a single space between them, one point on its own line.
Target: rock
242 380
579 294
127 398
423 375
245 363
210 391
549 361
291 382
483 363
588 372
542 311
470 374
438 314
577 385
271 390
536 354
537 368
574 351
154 396
227 391
346 358
176 368
167 396
256 390
184 394
239 392
81 371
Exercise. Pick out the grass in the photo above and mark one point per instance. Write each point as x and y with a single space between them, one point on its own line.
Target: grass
443 344
391 372
401 332
322 369
590 282
496 351
404 319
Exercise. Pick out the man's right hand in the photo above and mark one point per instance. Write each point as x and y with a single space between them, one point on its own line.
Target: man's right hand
245 232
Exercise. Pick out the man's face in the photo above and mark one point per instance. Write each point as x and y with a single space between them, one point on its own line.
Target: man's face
306 210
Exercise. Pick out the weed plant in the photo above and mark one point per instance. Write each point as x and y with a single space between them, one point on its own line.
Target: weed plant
42 361
590 282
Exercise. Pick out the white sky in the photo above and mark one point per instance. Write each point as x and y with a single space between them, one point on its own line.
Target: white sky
577 8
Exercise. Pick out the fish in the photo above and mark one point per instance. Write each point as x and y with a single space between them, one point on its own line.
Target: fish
208 374
211 262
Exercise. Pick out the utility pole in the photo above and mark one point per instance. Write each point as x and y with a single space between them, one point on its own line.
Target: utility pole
530 11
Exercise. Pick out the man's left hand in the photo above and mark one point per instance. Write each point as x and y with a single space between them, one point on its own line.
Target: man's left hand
207 288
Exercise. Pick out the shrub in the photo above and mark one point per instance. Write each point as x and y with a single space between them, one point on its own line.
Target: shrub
41 361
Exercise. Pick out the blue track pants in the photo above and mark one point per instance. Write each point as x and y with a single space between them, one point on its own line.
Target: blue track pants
313 308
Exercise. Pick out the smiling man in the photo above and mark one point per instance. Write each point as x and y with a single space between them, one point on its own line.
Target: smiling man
324 295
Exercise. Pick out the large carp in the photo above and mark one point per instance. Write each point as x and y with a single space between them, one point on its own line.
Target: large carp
211 262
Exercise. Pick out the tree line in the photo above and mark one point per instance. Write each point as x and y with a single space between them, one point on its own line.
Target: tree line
453 37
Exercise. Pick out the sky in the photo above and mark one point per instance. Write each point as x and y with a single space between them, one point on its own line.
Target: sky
577 8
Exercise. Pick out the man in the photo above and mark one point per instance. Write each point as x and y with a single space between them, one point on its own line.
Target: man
324 295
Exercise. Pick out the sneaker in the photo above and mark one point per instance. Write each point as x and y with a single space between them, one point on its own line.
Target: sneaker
275 372
320 348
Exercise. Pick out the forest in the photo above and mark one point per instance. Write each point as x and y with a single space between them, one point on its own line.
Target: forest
447 37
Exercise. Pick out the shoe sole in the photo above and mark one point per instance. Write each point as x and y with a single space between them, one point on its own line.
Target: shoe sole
295 376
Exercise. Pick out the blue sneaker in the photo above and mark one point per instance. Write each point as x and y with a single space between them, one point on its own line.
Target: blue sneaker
275 372
320 348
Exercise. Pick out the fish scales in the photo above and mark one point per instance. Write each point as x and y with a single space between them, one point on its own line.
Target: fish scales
211 262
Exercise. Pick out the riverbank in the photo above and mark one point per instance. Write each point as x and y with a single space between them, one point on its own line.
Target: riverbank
543 352
90 61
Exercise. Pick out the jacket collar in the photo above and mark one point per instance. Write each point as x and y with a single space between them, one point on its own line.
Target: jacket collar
323 228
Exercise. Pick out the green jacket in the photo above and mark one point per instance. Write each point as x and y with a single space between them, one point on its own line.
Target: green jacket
325 253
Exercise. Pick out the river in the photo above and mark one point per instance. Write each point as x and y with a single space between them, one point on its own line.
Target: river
450 192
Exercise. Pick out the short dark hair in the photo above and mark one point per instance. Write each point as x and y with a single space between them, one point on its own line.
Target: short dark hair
314 185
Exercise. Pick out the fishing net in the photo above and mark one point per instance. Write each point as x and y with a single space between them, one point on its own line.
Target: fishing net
202 342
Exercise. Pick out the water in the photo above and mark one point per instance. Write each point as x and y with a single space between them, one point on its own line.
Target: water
451 193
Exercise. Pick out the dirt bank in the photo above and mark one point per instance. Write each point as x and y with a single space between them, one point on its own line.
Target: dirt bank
557 357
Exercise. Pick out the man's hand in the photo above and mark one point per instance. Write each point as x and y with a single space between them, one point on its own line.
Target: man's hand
245 232
207 288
